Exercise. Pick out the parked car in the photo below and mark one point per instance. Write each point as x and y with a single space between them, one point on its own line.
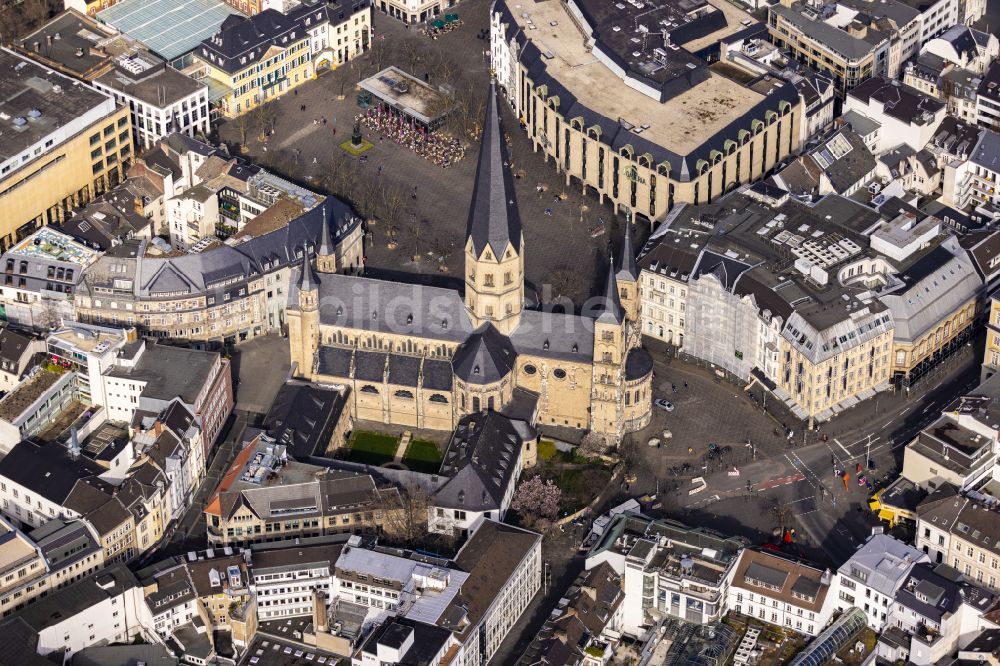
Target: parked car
665 405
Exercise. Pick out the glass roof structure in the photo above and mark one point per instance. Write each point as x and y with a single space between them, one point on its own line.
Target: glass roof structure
837 636
168 28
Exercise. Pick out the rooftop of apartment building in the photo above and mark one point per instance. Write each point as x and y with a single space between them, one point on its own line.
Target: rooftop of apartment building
427 587
987 151
15 548
956 137
882 563
838 28
581 616
170 372
480 460
242 41
782 578
417 642
900 101
490 557
221 272
265 480
75 44
88 339
79 597
145 77
303 417
971 515
13 344
64 542
756 247
26 393
114 216
934 591
989 86
293 558
670 546
125 655
36 101
665 79
46 260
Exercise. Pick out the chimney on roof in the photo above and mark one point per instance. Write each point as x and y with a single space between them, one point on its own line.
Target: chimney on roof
74 444
320 619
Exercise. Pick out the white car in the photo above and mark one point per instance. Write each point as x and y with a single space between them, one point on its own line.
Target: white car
665 405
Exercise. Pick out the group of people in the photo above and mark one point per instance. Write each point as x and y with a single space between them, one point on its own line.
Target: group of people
439 147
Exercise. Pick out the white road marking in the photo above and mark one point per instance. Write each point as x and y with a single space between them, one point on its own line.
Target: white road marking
842 447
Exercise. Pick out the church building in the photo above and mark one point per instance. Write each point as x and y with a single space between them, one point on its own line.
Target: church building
424 357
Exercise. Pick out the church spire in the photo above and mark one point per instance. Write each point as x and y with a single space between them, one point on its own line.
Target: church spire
611 307
325 242
628 270
308 280
493 216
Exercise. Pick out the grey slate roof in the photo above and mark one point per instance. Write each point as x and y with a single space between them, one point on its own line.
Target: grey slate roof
404 370
209 272
554 335
638 363
486 357
303 417
46 470
364 304
369 366
170 372
78 597
987 151
335 361
437 375
494 220
481 459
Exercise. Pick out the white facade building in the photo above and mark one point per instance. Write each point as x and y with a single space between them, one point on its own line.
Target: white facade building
108 607
161 99
284 579
781 591
687 579
870 579
905 115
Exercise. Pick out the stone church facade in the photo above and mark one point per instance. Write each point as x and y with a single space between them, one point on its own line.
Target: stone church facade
424 357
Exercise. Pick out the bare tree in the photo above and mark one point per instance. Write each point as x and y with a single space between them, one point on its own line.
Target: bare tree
263 118
416 229
782 514
244 125
404 514
393 200
629 454
340 177
411 53
561 281
442 249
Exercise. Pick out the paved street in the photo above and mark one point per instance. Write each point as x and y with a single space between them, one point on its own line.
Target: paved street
793 474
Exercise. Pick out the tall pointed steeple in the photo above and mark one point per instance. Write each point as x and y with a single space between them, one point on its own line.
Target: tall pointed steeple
611 306
308 280
325 243
628 277
326 253
494 247
494 220
628 269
